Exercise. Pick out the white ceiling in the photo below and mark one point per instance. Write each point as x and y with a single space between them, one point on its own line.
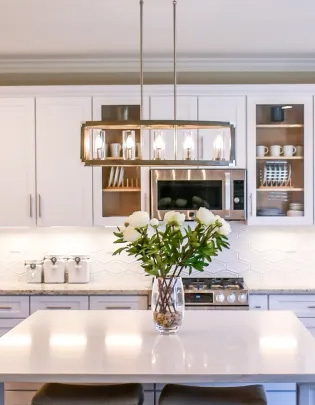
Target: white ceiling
111 27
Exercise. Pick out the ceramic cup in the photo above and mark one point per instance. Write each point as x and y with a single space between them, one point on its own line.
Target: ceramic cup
261 150
300 151
289 150
115 149
276 150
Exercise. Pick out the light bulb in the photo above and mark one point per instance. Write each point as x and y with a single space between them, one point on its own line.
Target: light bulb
99 145
98 142
218 147
130 143
189 142
159 146
159 142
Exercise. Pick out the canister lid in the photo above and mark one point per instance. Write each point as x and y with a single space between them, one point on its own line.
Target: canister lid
29 262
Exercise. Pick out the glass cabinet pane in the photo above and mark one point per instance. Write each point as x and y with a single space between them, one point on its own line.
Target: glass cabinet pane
280 160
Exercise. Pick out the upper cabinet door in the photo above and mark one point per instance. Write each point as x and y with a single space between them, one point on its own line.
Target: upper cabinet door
17 163
280 160
223 108
162 108
64 185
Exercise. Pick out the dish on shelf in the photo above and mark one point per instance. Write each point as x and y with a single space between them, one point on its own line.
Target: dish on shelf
295 213
111 176
121 177
115 182
270 212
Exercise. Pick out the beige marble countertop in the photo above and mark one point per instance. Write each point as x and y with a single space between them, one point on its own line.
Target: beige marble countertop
110 288
92 288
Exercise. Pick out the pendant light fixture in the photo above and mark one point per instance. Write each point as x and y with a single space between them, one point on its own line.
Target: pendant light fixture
94 144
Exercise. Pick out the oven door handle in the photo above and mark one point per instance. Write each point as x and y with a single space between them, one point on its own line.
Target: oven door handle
227 193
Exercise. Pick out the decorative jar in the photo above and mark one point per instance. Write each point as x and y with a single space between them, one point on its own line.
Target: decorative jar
168 304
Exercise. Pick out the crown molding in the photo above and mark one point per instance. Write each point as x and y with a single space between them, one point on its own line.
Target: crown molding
156 65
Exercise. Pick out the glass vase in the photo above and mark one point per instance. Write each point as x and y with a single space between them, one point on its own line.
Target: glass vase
168 304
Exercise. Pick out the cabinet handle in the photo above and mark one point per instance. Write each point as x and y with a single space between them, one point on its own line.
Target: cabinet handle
228 193
311 307
257 306
31 206
117 307
6 308
251 204
58 307
39 206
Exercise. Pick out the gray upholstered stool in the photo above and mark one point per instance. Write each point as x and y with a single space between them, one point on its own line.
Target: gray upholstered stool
186 395
68 394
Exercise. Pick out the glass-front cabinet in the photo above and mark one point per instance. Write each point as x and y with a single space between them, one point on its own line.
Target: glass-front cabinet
280 160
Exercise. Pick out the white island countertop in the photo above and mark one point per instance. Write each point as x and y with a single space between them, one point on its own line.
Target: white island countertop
123 346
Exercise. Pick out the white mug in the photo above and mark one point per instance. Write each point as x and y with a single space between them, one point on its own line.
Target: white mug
289 150
276 150
115 149
300 151
261 150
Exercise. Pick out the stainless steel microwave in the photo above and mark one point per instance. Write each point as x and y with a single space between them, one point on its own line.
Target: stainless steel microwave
223 191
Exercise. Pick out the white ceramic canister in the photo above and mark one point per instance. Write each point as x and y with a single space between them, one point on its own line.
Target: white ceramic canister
34 271
78 267
54 269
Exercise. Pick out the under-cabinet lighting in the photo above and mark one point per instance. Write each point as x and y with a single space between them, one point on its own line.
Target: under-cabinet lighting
287 107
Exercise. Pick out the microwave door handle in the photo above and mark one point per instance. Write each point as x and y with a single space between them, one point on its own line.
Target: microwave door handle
227 193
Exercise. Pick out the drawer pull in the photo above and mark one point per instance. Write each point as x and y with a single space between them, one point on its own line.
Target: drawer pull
5 308
117 307
257 306
58 307
311 307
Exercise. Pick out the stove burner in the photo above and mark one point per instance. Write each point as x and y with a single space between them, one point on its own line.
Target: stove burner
213 283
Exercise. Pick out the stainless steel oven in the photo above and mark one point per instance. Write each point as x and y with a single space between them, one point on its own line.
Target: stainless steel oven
223 191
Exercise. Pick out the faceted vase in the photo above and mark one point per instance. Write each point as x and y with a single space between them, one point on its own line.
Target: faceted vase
168 304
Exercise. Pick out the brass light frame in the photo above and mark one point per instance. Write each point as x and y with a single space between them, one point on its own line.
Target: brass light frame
175 125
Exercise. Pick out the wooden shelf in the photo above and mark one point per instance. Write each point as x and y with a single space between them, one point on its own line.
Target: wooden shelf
279 126
279 157
121 189
279 189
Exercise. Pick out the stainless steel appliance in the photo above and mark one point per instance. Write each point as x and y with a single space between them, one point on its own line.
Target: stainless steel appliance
215 293
223 191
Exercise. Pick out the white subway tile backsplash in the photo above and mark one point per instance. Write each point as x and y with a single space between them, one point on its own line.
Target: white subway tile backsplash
261 255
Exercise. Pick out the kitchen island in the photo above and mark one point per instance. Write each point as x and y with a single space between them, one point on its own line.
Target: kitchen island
215 347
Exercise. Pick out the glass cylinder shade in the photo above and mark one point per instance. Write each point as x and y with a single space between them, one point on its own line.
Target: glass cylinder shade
129 145
168 304
158 145
188 145
99 145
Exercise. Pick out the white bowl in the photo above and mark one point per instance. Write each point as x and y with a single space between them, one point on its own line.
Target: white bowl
295 213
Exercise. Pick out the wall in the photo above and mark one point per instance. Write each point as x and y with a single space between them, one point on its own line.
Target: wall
263 256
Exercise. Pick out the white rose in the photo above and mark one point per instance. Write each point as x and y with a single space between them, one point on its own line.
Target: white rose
225 228
130 234
205 216
139 219
174 218
154 222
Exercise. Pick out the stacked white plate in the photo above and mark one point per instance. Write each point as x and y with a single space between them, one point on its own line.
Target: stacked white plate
296 209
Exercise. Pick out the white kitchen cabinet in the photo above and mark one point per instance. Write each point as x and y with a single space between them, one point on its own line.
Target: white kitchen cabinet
17 163
14 307
162 108
64 185
110 207
258 302
7 324
64 302
278 182
112 302
228 109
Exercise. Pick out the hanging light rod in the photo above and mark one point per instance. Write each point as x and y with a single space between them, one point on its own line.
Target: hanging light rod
93 133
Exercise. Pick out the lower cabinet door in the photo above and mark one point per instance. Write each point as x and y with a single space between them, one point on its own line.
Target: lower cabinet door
18 397
119 302
7 324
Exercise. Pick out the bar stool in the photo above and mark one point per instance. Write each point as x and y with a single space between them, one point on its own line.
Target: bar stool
186 395
71 394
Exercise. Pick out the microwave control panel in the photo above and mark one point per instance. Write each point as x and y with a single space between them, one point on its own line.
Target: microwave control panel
238 195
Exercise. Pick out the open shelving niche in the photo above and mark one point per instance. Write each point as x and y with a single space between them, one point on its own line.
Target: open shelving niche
289 132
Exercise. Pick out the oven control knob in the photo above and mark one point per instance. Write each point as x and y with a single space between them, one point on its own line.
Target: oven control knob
231 298
236 200
219 297
242 298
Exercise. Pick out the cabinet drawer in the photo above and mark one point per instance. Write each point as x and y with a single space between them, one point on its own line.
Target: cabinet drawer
302 305
258 302
119 302
14 307
18 397
7 324
59 302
